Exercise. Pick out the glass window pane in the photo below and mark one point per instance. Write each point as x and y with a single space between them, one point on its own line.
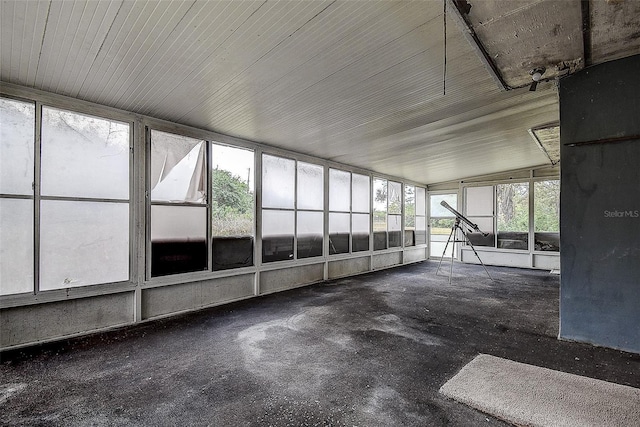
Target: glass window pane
17 134
485 224
360 232
437 210
395 198
232 199
16 246
177 168
84 156
178 239
409 207
394 228
310 234
513 215
310 186
479 201
339 229
277 235
380 205
361 193
546 199
439 235
278 182
421 194
83 243
339 190
421 230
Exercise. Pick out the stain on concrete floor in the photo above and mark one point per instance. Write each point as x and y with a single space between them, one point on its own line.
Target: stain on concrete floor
370 350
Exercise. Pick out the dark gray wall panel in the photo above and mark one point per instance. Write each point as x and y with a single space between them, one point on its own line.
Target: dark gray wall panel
44 322
600 206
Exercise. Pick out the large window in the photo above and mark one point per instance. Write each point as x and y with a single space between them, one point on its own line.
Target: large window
349 207
505 208
480 208
513 215
17 137
387 214
441 222
232 207
546 214
414 216
310 206
82 220
178 204
194 203
360 208
292 219
84 207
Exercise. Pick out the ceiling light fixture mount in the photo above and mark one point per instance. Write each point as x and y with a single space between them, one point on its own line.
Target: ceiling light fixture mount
536 76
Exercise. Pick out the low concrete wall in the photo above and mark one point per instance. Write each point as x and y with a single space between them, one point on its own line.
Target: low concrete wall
292 277
43 322
191 296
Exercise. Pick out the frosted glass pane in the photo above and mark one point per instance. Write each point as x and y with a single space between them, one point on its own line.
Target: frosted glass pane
421 230
84 156
339 190
177 168
232 198
339 223
361 194
420 201
339 226
485 224
178 223
16 246
360 224
278 182
310 186
277 223
479 201
17 121
83 243
178 239
310 223
310 234
437 210
395 197
277 235
360 232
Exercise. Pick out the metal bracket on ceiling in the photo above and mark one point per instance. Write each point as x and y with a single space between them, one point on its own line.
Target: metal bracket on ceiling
461 9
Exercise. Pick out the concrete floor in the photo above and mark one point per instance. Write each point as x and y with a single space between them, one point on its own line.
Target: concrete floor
370 350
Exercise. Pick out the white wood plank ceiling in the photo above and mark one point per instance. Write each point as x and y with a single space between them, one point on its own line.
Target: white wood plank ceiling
359 82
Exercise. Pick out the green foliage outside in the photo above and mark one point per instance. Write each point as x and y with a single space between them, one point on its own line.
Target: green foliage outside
441 226
232 205
547 206
513 207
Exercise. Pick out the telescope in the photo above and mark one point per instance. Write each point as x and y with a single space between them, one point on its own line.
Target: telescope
464 219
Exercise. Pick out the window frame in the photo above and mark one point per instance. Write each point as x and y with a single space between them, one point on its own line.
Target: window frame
98 112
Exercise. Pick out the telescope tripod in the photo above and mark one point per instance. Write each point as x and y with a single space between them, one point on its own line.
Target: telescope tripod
453 239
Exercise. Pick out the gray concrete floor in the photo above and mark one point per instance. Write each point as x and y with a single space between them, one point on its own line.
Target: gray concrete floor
370 350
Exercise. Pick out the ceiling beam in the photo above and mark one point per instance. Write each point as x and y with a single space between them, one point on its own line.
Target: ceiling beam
460 10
